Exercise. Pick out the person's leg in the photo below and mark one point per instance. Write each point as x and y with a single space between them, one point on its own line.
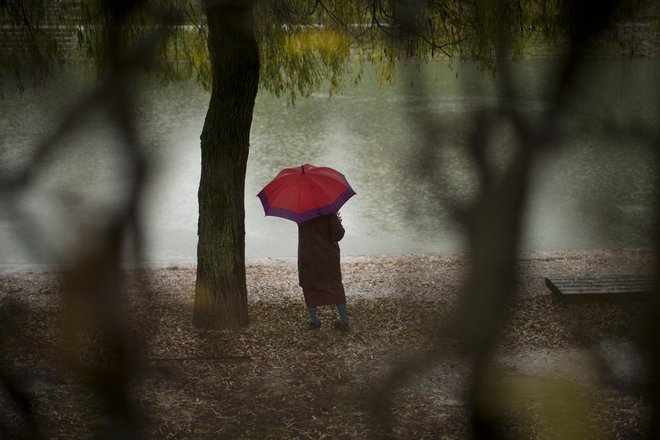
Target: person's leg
342 324
312 314
343 316
314 322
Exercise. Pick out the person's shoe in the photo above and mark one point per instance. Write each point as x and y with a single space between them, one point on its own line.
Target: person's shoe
341 326
314 325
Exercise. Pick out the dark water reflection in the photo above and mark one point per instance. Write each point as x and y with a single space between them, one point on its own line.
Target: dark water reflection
597 192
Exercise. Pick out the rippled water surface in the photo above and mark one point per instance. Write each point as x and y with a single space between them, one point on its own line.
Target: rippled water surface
595 192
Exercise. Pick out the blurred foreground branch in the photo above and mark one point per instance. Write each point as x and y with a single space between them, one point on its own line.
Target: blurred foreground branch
493 214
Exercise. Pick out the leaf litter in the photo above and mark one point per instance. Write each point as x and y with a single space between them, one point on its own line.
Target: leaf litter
275 379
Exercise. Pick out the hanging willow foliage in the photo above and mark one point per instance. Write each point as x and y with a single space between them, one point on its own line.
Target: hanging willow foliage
304 44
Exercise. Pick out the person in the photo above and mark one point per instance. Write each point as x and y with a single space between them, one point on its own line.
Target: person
319 269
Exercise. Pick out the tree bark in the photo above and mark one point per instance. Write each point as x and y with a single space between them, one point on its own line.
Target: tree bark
220 290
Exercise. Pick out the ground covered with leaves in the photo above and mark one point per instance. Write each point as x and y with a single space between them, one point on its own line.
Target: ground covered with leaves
571 371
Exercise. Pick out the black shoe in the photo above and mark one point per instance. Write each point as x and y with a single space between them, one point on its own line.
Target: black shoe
341 326
314 325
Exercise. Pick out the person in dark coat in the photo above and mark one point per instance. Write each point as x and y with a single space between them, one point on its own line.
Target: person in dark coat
319 270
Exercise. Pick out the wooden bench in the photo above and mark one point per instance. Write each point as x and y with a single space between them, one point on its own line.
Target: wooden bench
608 288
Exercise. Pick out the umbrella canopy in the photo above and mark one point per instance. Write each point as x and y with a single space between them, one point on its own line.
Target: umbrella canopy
305 192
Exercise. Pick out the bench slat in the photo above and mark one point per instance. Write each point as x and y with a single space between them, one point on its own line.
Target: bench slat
611 287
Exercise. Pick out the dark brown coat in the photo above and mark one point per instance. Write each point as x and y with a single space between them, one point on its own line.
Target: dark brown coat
318 252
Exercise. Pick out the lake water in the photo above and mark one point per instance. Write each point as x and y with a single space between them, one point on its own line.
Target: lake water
596 192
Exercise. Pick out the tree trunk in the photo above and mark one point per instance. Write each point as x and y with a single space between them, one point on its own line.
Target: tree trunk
220 290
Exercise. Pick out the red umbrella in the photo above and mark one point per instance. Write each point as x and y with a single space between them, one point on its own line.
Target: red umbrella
305 192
